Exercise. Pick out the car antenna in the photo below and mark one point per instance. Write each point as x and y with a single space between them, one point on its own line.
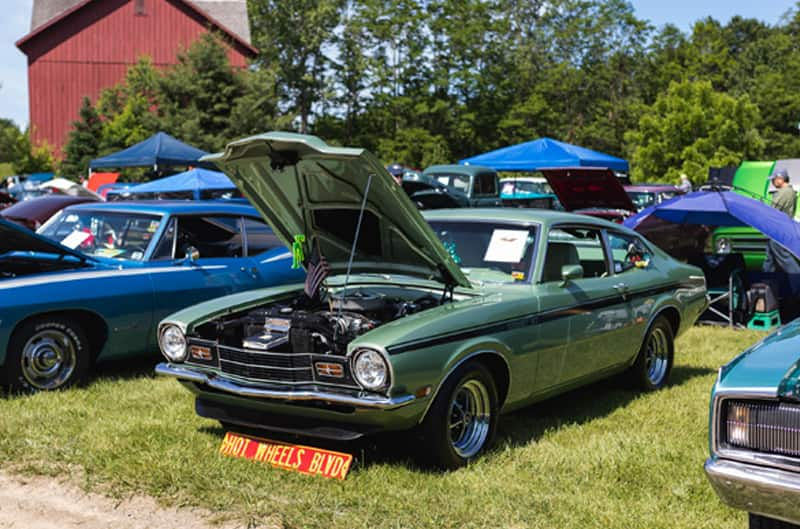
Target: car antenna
355 242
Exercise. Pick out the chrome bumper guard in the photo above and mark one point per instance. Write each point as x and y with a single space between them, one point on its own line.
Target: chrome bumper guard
357 400
766 491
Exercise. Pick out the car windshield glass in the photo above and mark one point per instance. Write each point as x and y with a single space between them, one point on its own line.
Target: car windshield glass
115 235
520 186
457 181
642 199
488 251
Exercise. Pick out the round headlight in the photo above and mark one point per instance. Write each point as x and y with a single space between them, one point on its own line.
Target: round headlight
723 245
370 369
173 343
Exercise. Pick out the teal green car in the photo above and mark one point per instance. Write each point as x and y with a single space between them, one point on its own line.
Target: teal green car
754 431
434 324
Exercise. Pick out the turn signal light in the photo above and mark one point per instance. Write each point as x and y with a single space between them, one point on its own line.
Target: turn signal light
325 369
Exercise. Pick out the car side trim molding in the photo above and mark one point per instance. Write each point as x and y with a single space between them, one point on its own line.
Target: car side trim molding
361 400
525 320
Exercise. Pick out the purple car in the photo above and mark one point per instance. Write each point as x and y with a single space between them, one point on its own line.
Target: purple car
34 212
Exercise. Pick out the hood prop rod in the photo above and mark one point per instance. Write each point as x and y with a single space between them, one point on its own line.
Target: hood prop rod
355 242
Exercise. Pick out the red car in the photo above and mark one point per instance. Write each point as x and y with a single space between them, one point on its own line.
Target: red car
597 192
34 212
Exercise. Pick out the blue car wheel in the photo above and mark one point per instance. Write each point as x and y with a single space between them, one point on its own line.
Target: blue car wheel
47 353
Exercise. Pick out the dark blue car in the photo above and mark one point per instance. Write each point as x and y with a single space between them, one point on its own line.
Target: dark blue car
95 280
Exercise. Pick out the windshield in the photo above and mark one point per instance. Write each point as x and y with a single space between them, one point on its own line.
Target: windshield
115 235
642 199
489 252
520 186
456 181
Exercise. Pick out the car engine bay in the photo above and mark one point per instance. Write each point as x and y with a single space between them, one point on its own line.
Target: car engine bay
323 326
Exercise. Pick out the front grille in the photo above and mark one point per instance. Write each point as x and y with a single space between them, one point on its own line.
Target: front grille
272 367
762 426
748 244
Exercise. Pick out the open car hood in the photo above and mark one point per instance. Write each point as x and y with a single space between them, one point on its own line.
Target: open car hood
14 238
588 188
302 186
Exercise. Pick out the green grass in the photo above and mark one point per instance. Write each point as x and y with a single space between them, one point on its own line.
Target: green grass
597 457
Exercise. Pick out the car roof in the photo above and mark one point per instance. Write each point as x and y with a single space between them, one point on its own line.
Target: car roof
458 169
650 187
171 207
541 216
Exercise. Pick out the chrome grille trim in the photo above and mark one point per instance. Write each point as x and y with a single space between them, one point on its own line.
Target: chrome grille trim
773 427
720 449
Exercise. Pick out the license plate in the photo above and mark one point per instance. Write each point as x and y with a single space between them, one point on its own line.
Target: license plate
295 458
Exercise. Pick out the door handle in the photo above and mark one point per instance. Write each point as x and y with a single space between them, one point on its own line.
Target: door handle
622 288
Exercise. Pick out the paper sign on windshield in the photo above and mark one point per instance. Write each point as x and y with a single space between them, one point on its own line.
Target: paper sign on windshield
75 239
506 246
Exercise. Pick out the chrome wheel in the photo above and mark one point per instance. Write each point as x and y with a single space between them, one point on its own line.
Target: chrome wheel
657 355
48 359
470 418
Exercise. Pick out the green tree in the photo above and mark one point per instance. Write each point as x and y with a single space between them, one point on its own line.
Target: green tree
691 128
84 142
292 36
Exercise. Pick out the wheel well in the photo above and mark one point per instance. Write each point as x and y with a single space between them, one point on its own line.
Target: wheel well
499 370
673 317
92 324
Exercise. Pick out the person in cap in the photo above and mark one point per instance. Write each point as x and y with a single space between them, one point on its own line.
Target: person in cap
397 171
784 199
779 259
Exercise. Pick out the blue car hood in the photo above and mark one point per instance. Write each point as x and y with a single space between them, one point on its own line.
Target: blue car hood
14 238
772 364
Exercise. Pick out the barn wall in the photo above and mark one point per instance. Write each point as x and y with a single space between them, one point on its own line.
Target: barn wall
92 48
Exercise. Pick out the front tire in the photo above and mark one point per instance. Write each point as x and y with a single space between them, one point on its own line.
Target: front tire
653 365
46 354
462 420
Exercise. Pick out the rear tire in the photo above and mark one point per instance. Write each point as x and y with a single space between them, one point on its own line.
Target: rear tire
462 420
762 522
653 364
47 354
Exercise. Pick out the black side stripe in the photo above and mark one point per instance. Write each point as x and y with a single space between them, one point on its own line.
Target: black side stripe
526 320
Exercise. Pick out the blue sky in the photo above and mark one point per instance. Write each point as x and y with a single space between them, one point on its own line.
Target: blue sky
16 21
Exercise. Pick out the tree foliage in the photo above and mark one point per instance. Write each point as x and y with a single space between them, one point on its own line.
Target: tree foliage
435 81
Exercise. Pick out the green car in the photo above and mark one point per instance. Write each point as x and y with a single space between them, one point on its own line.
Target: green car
754 431
433 324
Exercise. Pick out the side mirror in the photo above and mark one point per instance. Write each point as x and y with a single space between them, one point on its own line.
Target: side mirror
192 255
570 272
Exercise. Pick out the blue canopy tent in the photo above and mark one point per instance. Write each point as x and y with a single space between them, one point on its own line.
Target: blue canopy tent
194 181
544 153
159 150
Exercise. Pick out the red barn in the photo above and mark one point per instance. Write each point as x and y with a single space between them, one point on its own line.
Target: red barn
77 48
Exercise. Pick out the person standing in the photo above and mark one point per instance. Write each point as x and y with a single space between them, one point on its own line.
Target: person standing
778 258
784 199
686 185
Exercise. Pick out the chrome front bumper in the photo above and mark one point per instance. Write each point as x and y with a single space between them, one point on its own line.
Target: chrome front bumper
766 491
354 398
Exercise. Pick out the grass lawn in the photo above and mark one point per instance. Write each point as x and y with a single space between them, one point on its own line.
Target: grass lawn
597 457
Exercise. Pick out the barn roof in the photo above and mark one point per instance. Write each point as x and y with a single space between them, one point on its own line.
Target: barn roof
229 15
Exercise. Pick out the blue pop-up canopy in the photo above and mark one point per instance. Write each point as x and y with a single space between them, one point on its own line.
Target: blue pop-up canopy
159 150
195 181
725 208
545 153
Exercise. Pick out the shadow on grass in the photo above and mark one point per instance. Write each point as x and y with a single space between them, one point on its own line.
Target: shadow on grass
515 429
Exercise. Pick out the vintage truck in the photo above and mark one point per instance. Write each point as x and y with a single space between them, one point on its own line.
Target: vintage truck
481 185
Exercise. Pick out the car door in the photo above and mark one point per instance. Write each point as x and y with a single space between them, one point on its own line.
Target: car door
635 275
217 268
581 318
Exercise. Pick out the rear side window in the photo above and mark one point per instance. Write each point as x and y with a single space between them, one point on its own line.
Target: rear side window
485 184
260 237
